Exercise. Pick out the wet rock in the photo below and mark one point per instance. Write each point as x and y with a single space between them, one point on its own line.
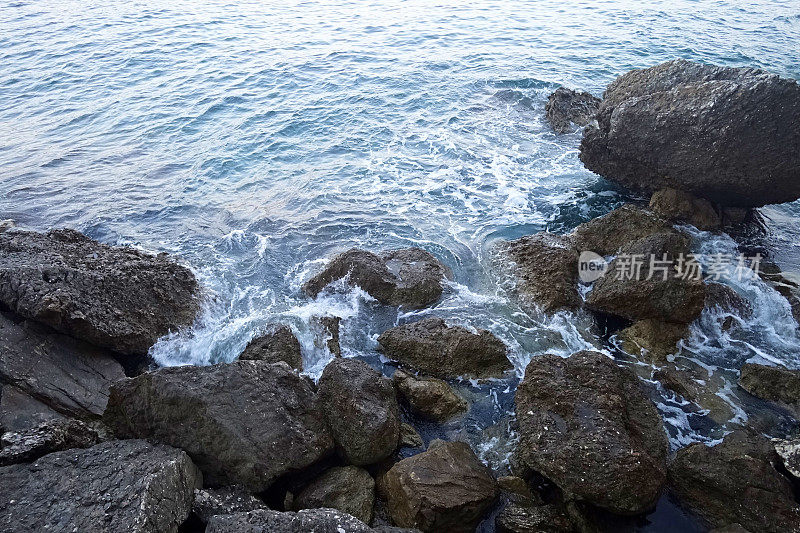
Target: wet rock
521 518
305 521
362 411
69 376
696 385
349 489
547 269
587 425
51 436
432 347
773 383
244 423
114 297
652 340
716 132
733 528
565 106
21 412
409 276
222 501
789 452
681 206
277 344
726 299
6 225
446 488
517 488
329 334
410 437
605 235
735 482
429 397
126 485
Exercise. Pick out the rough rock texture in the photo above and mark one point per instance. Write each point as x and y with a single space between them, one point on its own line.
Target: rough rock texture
126 485
547 269
409 276
777 384
21 412
695 384
719 133
586 424
652 340
51 436
432 347
681 206
6 225
565 106
117 298
429 397
410 437
362 411
520 518
277 344
789 452
735 482
67 375
243 423
349 489
605 235
306 521
328 333
225 500
727 299
446 488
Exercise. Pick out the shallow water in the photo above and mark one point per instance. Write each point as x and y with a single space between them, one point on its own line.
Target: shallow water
255 139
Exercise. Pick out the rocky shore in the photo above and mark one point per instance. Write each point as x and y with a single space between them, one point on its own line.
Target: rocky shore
95 438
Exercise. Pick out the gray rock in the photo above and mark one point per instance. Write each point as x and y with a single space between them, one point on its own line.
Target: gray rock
222 501
409 276
718 133
117 298
244 423
126 485
20 412
432 347
605 235
681 206
6 225
51 436
305 521
349 489
328 333
361 409
277 344
565 106
789 452
777 384
429 397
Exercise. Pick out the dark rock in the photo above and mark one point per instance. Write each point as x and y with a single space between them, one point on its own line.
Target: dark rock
716 132
547 269
605 235
587 425
409 276
305 521
681 206
695 384
244 423
517 489
117 298
777 384
6 225
520 518
225 500
329 334
431 346
126 485
733 528
410 437
652 340
446 488
362 411
565 106
789 452
277 344
735 482
20 412
51 436
429 397
349 489
726 299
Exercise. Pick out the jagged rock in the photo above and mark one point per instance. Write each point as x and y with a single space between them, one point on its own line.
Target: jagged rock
735 482
719 133
51 436
773 383
547 269
126 485
728 300
652 339
565 106
429 397
789 452
222 501
349 489
432 347
521 518
244 423
446 488
305 521
605 235
587 425
117 298
69 376
328 334
21 412
410 437
362 411
681 206
277 344
409 276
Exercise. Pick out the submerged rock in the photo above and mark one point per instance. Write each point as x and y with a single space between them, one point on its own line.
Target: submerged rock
126 485
681 206
565 106
446 488
409 276
719 133
429 397
361 408
51 436
777 384
118 298
432 347
308 520
587 425
244 423
605 235
277 344
349 489
225 500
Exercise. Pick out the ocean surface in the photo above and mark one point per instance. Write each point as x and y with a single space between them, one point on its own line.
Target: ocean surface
254 140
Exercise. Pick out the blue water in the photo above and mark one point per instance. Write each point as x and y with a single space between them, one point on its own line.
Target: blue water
255 139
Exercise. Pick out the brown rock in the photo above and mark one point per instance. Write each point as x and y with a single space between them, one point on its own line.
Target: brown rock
607 234
777 384
277 344
681 206
429 397
349 489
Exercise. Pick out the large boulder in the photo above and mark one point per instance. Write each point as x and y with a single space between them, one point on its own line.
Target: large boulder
605 235
429 397
774 383
735 482
446 488
52 436
587 425
720 133
409 277
349 489
362 411
21 412
305 521
246 422
566 106
276 344
117 298
126 485
434 348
